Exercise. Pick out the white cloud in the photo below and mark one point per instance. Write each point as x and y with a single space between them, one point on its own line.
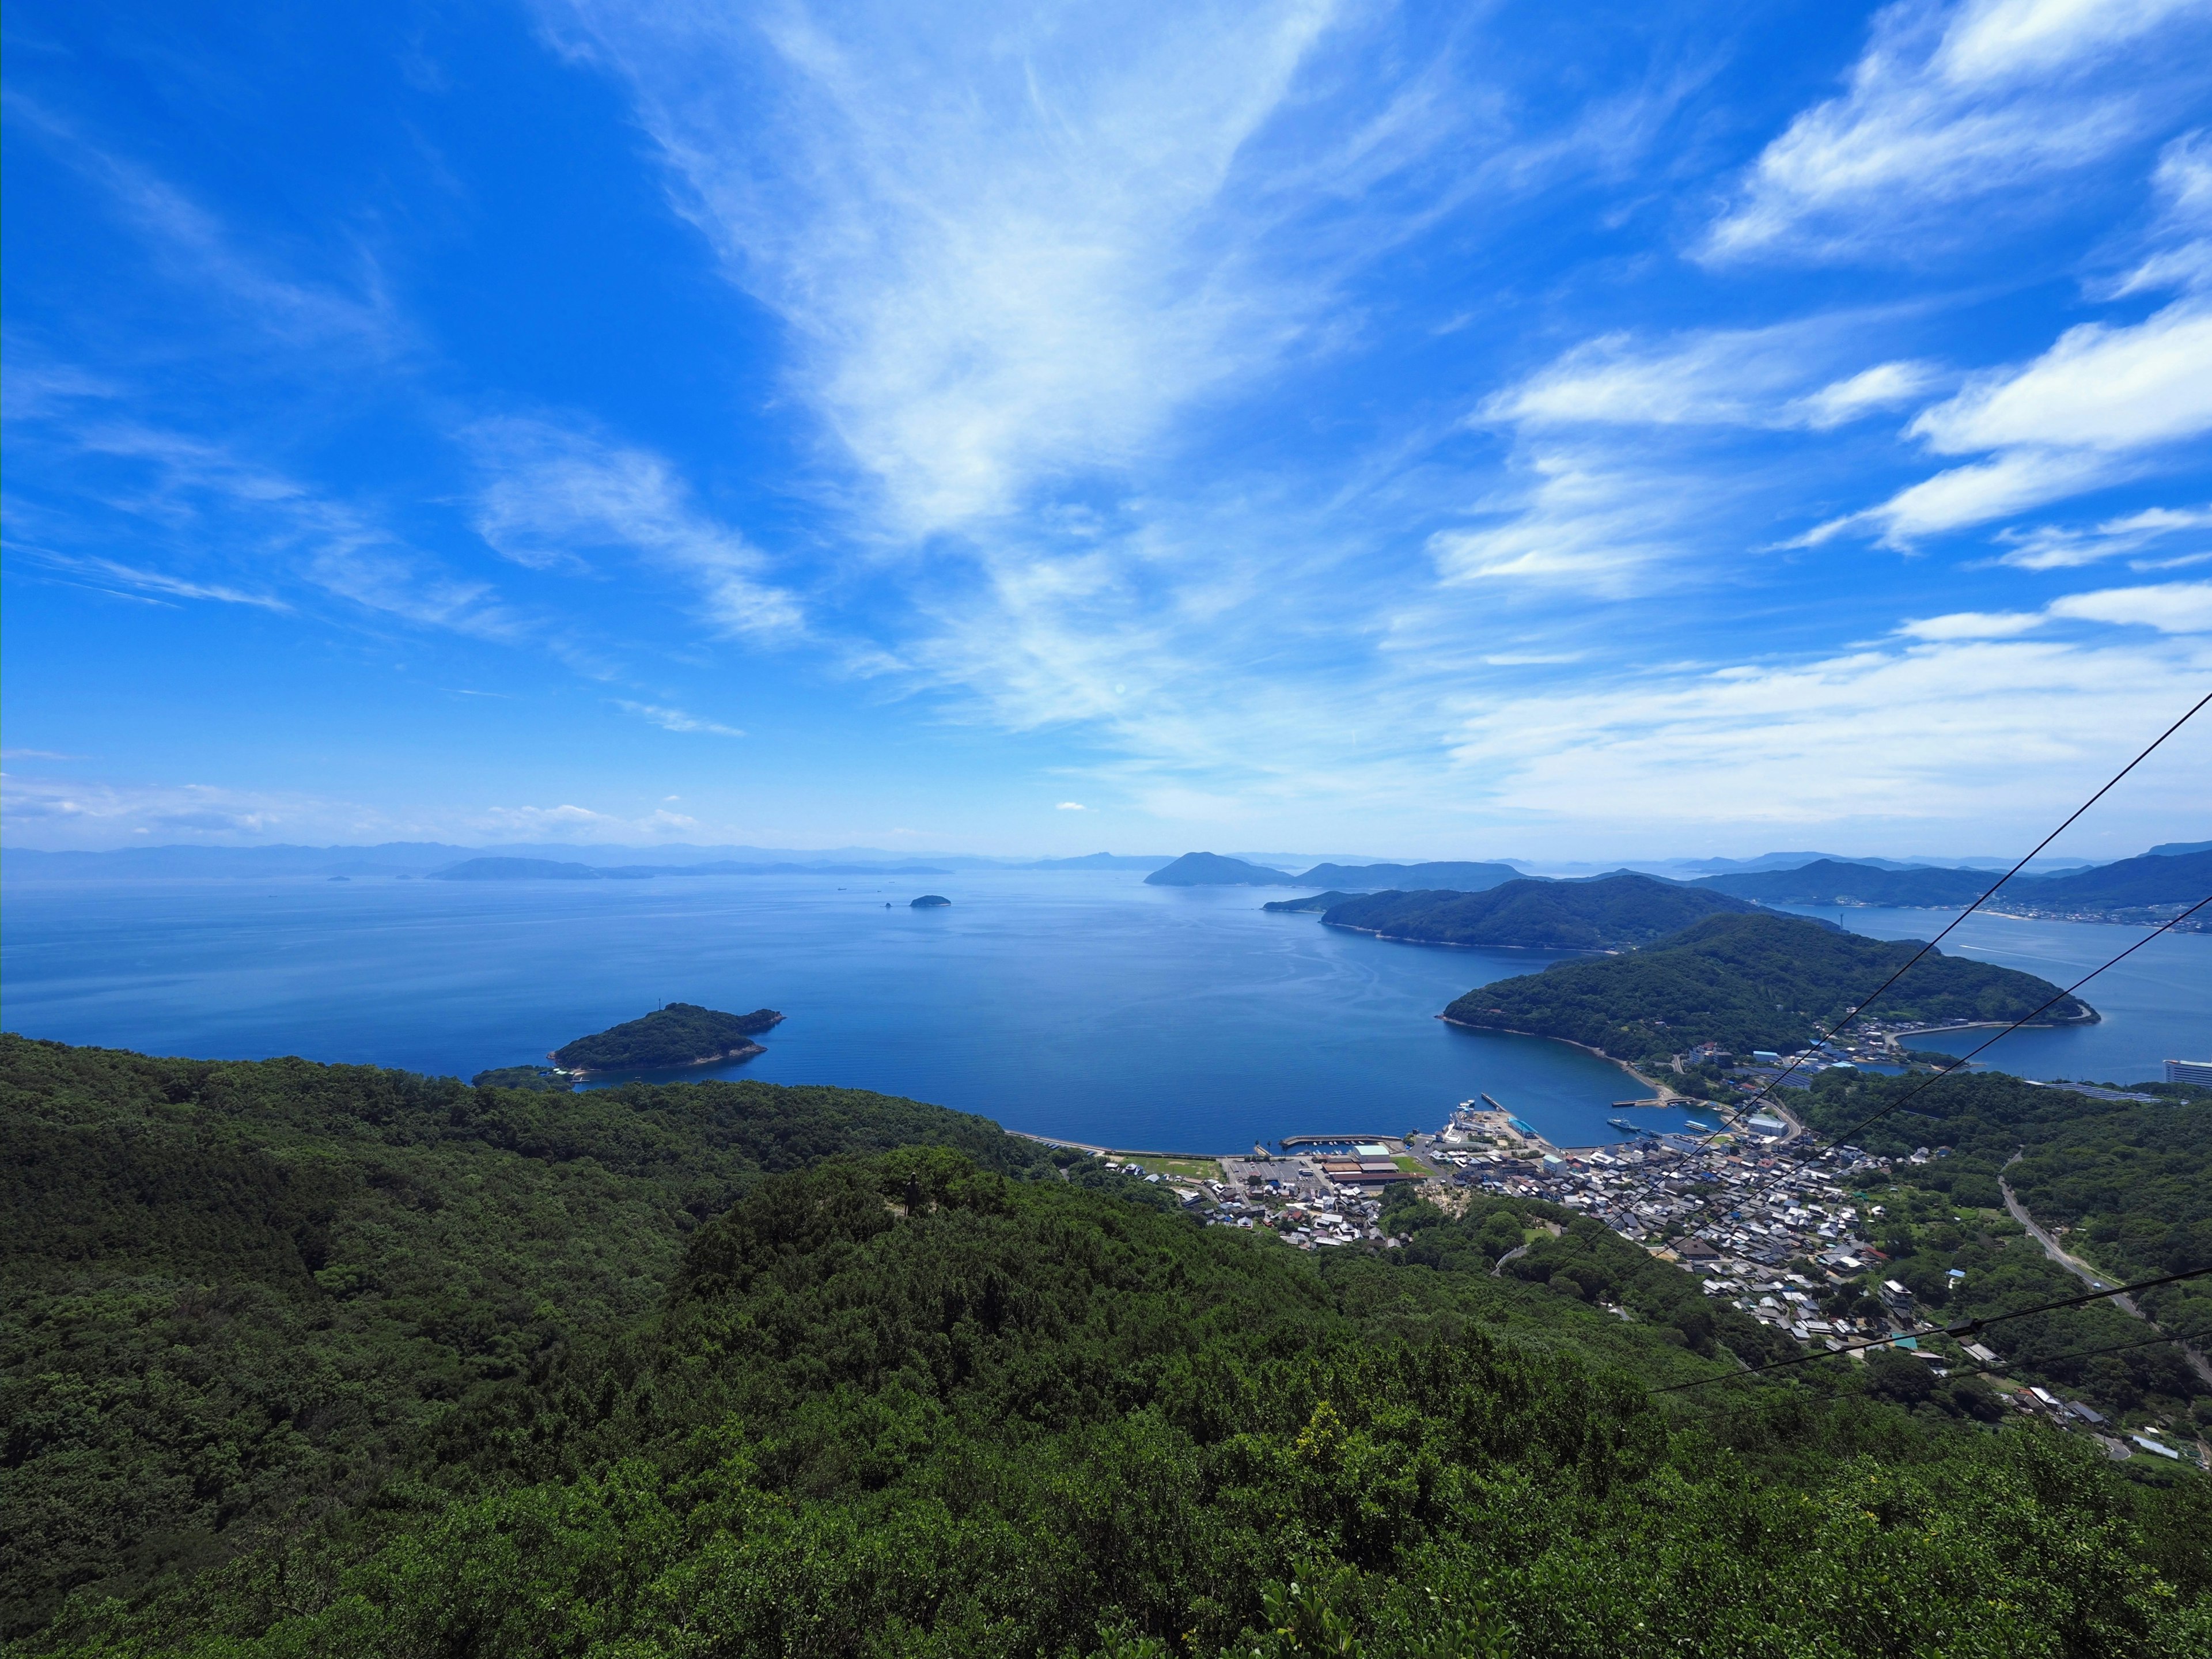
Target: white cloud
1608 520
1006 247
674 720
1995 734
2170 607
1949 105
86 811
2048 547
1072 806
148 581
2096 407
2098 388
551 495
1974 625
1886 385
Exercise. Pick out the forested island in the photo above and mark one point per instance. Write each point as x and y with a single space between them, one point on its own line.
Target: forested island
1748 983
680 1034
307 1359
1611 913
1212 869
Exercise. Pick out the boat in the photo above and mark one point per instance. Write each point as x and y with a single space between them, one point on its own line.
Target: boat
1623 1124
1693 1123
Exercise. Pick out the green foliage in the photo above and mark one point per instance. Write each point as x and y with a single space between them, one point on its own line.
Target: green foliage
920 1399
1746 982
237 1293
681 1034
1616 913
2128 1187
541 1080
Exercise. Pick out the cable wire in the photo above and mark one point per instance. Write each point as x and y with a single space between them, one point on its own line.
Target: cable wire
1766 1091
1960 1331
2056 1358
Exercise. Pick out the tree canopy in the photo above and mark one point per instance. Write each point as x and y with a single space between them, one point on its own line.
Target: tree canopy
680 1034
1748 983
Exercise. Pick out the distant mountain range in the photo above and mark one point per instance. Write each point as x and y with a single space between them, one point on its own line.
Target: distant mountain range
1104 861
2158 880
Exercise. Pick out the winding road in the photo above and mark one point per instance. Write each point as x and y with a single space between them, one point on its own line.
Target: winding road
2088 1275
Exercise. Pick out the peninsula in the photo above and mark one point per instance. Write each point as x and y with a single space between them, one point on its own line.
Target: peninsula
1748 983
680 1034
1613 912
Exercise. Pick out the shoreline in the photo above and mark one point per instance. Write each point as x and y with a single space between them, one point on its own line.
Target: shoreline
1666 1097
746 1052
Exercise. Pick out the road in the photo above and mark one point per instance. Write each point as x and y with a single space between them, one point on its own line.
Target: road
2088 1275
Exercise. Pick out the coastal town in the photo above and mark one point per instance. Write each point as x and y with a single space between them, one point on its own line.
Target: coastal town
1766 1217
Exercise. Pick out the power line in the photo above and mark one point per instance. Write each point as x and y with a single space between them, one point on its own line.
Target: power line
2046 1363
1765 1092
1845 1138
1963 1329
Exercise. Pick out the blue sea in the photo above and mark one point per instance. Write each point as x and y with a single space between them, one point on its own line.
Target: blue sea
1083 1005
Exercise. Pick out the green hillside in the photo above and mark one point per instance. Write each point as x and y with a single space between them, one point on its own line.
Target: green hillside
2153 880
681 1034
1747 982
1615 913
305 1360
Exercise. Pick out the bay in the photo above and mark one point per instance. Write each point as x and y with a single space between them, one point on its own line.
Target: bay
2155 1007
1083 1005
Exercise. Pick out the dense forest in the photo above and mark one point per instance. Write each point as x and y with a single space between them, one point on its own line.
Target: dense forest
2152 879
1747 982
305 1359
1615 913
680 1034
2128 1187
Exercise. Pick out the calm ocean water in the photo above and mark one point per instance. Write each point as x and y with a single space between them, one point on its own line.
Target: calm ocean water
1085 1005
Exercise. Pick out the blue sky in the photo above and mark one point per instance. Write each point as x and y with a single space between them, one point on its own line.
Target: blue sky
1508 430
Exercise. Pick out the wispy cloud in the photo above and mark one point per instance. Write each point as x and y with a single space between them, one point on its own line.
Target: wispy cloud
674 720
551 495
2052 547
2095 408
1956 104
207 257
1003 249
1965 729
152 581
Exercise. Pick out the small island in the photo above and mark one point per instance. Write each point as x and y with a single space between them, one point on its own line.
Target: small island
681 1034
931 901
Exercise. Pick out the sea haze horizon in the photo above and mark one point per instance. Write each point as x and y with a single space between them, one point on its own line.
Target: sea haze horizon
1086 1006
